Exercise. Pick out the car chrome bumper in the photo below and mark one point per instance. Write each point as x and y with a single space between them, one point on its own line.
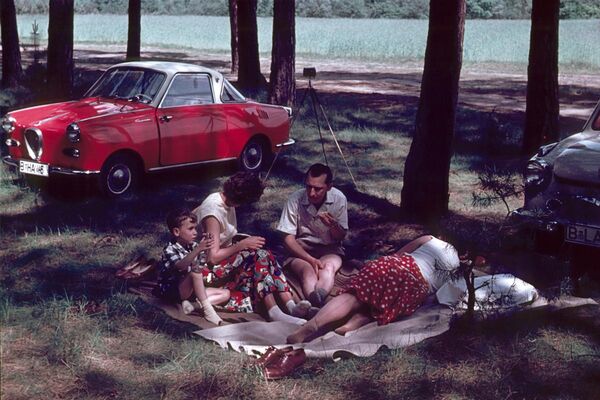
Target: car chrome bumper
534 220
288 142
52 169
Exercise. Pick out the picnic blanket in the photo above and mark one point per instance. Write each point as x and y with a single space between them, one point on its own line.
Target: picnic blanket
429 320
250 333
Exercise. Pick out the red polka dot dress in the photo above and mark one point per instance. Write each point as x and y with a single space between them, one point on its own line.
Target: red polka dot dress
392 286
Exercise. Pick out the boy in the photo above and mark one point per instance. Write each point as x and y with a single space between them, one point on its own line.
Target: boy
180 277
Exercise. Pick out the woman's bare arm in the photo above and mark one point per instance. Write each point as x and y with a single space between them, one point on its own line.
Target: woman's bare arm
216 253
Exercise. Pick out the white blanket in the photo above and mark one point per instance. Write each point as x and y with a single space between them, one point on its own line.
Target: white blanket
429 320
254 337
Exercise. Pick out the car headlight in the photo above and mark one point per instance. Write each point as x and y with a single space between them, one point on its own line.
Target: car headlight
73 133
536 173
8 124
544 150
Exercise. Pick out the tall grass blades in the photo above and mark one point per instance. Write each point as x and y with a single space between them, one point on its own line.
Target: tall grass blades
393 40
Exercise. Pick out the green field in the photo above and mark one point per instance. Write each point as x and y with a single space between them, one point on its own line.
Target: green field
504 41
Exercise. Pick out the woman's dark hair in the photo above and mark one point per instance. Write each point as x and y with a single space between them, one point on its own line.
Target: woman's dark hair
176 217
243 188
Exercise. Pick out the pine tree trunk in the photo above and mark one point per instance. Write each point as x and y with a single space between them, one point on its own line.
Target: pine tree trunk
249 77
425 189
60 48
542 107
233 23
282 80
11 54
134 30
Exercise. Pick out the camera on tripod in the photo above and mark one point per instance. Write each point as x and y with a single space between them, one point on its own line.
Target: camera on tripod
309 73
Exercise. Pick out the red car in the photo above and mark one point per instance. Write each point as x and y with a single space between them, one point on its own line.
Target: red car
141 117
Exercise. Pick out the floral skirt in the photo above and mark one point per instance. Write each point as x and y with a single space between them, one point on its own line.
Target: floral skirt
251 275
392 286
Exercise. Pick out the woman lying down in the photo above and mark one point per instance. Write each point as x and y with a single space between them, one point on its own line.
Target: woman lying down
387 288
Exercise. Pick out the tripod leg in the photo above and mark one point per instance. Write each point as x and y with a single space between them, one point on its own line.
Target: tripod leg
314 100
300 106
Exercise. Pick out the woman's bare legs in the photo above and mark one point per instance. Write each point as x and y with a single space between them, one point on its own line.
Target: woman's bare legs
337 309
356 321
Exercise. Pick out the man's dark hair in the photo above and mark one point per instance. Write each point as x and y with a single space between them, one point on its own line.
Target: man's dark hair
176 217
243 188
319 169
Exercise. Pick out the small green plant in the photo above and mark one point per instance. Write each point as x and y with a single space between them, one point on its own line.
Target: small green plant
496 184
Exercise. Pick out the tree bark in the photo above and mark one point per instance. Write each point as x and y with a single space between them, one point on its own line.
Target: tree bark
12 71
134 30
283 56
542 107
425 189
233 23
249 77
60 48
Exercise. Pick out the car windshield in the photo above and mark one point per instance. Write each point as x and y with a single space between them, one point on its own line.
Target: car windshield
128 83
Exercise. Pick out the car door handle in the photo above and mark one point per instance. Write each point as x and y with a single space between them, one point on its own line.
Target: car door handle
166 118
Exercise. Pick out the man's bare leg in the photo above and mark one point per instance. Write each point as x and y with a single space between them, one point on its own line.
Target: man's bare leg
305 272
331 265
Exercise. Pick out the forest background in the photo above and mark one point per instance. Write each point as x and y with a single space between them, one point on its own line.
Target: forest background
414 9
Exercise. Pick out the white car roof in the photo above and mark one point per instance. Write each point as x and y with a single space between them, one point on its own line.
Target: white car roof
169 67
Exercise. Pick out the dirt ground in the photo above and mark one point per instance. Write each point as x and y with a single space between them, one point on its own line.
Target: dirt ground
485 86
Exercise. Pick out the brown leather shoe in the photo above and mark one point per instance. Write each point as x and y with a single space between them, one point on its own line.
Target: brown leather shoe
286 364
271 355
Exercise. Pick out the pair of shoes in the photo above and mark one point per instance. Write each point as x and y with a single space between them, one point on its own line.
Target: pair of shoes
271 355
317 297
301 309
129 266
285 364
187 307
141 270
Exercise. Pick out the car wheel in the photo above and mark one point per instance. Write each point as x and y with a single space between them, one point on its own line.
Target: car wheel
119 176
254 156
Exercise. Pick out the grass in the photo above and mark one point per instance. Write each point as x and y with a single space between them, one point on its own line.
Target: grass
60 246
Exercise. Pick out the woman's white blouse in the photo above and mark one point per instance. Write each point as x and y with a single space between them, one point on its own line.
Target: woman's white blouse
435 259
214 206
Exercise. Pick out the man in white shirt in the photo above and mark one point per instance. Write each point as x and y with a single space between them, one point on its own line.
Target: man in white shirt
315 221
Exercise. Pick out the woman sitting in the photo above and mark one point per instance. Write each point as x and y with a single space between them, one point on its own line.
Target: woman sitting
253 273
386 288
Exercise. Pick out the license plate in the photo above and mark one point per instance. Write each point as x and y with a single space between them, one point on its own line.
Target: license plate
581 234
33 168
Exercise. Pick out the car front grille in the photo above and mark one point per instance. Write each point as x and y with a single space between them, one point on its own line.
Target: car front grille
33 143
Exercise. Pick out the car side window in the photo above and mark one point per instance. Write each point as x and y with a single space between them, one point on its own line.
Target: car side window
230 94
189 90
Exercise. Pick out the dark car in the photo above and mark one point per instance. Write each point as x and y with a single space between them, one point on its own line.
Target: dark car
562 194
